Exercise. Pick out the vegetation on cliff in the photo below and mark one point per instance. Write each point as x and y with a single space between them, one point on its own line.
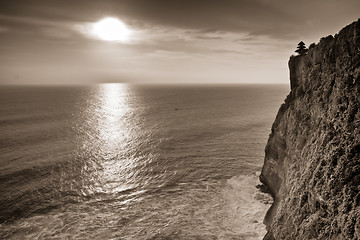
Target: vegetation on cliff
312 162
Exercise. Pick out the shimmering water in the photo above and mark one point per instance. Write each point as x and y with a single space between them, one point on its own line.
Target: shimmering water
117 161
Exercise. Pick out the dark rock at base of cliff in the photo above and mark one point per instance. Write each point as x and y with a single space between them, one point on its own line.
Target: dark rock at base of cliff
268 236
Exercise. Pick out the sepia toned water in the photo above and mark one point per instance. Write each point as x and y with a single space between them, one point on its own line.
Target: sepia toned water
117 161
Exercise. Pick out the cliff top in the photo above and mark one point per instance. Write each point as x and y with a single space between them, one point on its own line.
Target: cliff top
331 50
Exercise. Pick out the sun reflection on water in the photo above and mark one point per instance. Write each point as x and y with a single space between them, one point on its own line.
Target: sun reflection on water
112 115
113 124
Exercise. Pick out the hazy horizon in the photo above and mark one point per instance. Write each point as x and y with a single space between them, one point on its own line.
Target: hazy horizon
52 42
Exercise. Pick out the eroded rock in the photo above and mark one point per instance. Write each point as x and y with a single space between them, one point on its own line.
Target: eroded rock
312 162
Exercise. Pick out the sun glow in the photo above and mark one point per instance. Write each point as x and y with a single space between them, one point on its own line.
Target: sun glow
111 29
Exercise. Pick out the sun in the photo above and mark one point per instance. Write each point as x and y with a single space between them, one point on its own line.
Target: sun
111 29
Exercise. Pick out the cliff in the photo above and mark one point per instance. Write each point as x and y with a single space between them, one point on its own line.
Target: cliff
312 158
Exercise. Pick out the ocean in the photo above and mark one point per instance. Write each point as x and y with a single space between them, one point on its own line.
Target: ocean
119 161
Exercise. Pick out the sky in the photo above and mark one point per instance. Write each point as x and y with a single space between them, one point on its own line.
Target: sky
172 41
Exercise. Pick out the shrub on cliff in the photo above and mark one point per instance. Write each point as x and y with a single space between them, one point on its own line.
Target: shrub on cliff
301 49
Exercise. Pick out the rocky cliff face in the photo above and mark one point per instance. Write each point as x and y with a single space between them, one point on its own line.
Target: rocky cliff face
312 162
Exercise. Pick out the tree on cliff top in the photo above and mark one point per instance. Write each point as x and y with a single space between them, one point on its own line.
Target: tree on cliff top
301 49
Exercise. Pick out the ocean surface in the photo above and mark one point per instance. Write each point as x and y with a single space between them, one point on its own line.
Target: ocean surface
117 161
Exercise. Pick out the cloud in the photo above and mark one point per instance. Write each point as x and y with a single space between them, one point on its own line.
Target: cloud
280 19
192 38
3 29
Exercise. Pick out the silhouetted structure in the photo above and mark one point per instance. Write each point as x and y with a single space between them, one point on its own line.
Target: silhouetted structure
301 49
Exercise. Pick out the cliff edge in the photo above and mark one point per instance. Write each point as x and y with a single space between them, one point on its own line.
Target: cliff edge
312 158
